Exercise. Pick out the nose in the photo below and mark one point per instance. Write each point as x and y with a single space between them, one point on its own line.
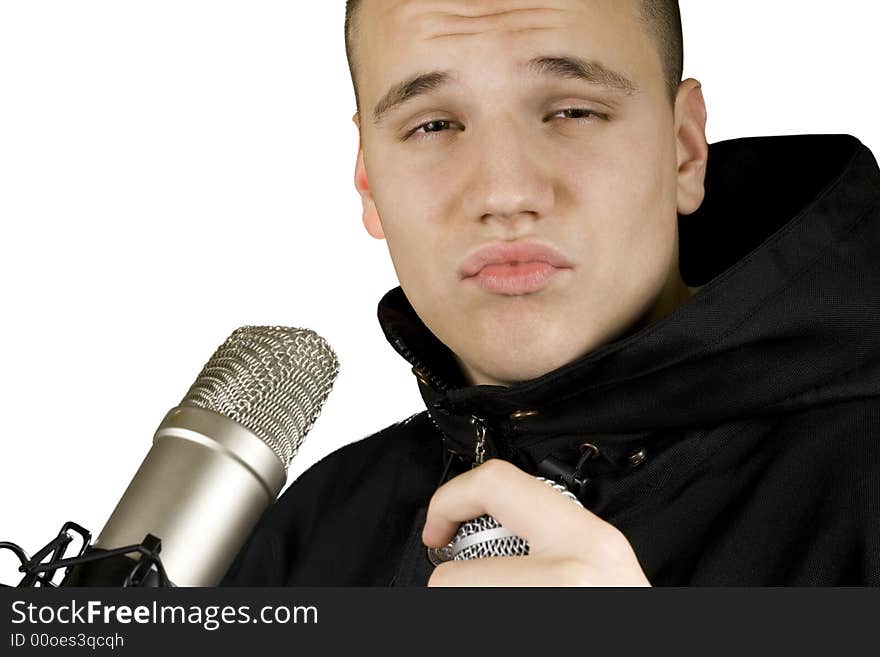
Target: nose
507 179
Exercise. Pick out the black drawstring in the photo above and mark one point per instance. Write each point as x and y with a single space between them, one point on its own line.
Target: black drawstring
449 456
573 478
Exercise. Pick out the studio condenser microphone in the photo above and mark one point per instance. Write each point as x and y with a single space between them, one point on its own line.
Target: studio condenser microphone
218 460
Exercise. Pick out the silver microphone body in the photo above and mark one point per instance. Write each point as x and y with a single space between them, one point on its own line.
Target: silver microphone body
201 488
219 459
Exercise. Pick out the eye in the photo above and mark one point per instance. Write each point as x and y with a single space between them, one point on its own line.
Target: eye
430 129
579 114
434 126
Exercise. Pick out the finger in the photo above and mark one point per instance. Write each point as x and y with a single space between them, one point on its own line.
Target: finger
504 571
520 502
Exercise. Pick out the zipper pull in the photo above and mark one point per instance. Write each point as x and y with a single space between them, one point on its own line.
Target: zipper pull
480 440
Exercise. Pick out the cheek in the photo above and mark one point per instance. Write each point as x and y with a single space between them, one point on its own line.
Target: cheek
412 200
624 195
627 189
413 209
416 204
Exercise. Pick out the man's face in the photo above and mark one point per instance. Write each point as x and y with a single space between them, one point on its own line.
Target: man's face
528 187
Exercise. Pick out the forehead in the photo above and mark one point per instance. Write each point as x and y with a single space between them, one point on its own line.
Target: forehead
396 38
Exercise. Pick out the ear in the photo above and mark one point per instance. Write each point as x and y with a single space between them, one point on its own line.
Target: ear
370 215
692 148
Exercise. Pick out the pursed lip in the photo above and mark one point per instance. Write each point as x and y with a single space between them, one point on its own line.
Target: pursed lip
501 253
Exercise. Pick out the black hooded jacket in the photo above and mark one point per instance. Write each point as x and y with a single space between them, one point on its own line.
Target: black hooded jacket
734 442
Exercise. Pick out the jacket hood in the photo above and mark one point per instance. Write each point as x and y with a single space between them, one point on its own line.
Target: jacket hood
786 247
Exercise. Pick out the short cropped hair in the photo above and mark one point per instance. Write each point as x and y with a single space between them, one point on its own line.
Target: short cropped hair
661 18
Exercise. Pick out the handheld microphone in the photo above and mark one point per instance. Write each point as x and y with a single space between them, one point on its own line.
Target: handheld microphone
218 460
485 537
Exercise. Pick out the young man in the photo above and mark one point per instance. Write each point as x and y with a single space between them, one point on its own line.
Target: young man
686 337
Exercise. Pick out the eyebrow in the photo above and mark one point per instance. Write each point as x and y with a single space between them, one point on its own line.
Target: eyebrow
402 92
586 70
574 68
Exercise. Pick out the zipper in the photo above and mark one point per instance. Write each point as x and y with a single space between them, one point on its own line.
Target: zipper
434 422
480 425
441 385
408 355
480 430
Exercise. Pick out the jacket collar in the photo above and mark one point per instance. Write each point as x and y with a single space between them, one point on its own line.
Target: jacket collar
784 246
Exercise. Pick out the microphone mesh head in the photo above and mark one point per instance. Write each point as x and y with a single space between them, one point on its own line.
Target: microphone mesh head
272 380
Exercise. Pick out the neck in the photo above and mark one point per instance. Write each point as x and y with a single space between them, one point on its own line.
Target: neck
674 294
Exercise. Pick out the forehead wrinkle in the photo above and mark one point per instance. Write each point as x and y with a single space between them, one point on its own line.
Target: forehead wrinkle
497 29
459 22
500 12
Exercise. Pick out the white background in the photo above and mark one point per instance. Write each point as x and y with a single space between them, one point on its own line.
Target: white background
171 170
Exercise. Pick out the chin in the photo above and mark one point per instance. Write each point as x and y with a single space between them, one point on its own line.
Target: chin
523 347
521 364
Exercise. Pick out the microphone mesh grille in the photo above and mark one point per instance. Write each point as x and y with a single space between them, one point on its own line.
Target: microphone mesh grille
272 380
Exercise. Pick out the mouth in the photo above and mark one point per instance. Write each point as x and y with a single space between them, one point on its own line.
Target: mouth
513 268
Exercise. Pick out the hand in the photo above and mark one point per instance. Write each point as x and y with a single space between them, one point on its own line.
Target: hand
568 545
